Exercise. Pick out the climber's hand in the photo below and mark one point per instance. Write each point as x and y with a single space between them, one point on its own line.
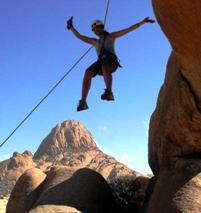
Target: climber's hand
70 23
148 20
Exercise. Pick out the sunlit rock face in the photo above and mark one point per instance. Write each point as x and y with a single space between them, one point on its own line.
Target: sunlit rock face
68 136
175 126
68 144
68 148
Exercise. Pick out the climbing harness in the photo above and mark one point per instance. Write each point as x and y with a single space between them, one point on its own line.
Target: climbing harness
106 54
55 86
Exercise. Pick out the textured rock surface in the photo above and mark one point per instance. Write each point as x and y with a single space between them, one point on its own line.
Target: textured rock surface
178 189
86 190
175 127
54 209
70 145
12 169
66 137
26 184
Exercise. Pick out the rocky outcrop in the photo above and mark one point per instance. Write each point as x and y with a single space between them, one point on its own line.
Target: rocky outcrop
69 144
68 137
85 190
12 169
18 164
69 147
175 127
178 190
25 185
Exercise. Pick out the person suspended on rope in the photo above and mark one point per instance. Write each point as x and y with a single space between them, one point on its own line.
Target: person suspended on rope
107 62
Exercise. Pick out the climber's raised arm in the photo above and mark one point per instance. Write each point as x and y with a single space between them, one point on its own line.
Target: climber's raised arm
123 32
78 35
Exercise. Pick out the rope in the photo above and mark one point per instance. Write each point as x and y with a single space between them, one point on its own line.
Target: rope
54 87
43 99
106 13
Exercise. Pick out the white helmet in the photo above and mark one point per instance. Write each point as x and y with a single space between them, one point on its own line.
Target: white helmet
96 23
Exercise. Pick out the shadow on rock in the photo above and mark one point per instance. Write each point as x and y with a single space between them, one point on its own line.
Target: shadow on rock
86 191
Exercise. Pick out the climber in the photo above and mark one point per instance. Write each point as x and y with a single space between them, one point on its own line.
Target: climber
107 61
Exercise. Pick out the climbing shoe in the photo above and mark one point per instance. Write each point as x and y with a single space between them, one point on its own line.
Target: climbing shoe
82 105
107 95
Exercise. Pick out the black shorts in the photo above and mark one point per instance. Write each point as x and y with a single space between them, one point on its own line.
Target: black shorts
111 61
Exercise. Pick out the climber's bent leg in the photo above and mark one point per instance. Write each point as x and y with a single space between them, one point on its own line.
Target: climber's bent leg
90 72
109 66
86 84
107 75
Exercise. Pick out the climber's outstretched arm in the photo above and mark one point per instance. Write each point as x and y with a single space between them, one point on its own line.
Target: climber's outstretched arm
123 32
82 37
78 35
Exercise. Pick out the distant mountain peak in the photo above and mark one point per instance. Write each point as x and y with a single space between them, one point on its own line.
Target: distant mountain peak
66 137
68 144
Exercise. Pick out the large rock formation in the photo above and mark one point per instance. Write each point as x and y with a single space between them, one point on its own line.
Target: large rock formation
84 189
25 185
65 138
12 169
175 127
71 145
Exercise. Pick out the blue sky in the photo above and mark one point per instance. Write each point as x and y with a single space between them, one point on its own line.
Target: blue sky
36 50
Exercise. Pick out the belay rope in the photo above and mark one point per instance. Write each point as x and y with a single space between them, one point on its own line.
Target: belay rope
55 86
